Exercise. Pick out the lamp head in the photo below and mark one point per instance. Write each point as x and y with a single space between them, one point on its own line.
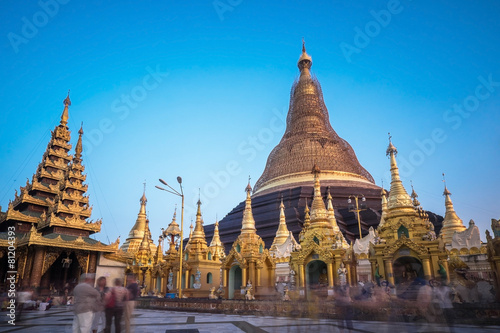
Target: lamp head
163 182
179 180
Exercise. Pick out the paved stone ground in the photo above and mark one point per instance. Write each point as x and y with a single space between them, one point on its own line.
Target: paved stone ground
59 320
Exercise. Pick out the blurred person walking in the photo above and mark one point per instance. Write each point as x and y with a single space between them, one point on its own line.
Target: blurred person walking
99 322
343 304
86 298
115 300
444 294
133 293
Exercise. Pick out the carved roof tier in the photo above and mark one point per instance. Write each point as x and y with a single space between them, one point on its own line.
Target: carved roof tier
77 175
61 133
60 143
73 222
15 215
60 153
75 196
73 208
26 198
57 164
65 241
56 175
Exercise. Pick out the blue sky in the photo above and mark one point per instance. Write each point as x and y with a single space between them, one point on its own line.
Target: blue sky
200 89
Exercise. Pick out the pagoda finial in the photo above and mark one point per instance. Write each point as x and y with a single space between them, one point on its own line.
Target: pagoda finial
398 197
414 195
391 148
451 223
318 209
446 192
305 60
78 148
307 217
248 223
65 114
248 189
143 200
282 232
199 233
331 212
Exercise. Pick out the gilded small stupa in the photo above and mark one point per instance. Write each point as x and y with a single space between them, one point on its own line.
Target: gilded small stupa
248 255
216 246
451 223
140 228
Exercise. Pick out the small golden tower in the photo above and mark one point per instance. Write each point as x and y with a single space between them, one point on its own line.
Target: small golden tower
282 233
216 248
248 264
202 270
141 227
407 248
451 223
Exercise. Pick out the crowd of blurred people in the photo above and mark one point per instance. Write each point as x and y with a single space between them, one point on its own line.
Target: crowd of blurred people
96 309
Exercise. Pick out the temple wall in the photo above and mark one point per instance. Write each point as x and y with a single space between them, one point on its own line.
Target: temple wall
111 269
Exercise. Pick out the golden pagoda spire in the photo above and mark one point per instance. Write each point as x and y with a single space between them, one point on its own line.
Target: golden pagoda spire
78 148
318 209
145 239
307 217
216 246
143 200
140 227
248 223
399 202
282 232
159 251
65 114
451 222
331 213
199 232
216 238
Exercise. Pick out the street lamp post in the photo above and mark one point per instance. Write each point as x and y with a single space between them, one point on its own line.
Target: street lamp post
174 191
358 208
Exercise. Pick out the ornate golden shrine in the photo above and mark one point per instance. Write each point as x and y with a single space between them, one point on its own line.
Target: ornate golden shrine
322 245
407 246
248 264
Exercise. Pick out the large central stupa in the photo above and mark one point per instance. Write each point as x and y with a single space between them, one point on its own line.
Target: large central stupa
309 140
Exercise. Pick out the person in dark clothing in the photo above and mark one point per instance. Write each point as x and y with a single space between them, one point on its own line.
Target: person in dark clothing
133 293
115 301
